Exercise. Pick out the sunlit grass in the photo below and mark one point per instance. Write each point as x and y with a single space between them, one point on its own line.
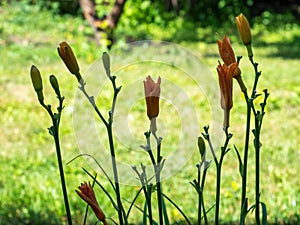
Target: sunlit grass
29 186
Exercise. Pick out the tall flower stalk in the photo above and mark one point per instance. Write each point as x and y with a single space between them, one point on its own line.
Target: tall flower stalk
67 55
199 183
152 94
54 129
218 163
245 34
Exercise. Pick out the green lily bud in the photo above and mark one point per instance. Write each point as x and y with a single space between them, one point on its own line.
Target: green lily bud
37 82
201 146
54 84
106 63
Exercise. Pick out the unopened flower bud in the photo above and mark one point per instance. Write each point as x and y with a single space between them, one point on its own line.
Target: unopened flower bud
106 63
54 84
201 146
66 54
87 194
37 82
226 74
226 51
152 93
244 29
245 33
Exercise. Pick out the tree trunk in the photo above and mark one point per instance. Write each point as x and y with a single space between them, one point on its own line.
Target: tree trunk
100 32
115 14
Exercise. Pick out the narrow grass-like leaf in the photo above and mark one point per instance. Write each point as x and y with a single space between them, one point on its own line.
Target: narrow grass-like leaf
240 161
105 174
133 201
177 207
264 213
164 209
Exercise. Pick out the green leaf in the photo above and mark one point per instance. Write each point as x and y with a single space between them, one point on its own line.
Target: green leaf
244 211
164 209
241 170
133 201
51 130
145 214
177 207
264 213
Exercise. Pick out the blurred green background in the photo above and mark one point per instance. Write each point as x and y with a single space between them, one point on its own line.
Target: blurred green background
30 32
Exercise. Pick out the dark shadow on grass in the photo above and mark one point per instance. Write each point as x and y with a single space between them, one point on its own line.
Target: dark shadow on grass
288 49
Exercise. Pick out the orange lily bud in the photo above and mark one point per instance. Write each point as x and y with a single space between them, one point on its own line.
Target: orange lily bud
226 51
152 93
225 74
245 33
88 195
244 29
37 82
227 55
66 54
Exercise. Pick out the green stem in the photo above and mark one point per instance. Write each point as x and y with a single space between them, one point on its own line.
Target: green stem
257 170
202 199
148 199
219 174
245 163
115 173
92 101
257 74
55 134
199 194
159 189
147 189
218 188
61 173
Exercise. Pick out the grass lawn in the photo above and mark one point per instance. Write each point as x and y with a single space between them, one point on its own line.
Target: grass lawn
30 190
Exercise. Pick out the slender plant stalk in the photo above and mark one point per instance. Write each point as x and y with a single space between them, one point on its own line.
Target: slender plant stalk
218 188
200 189
204 213
62 177
147 189
256 144
115 172
257 170
199 194
157 170
158 183
108 125
202 199
148 199
245 162
54 131
219 170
